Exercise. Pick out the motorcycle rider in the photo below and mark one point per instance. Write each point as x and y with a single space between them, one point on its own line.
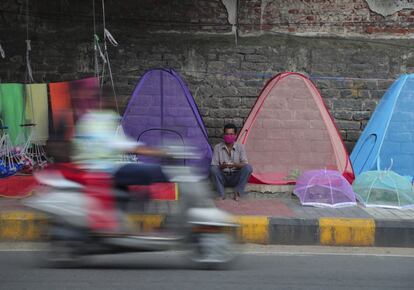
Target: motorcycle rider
99 143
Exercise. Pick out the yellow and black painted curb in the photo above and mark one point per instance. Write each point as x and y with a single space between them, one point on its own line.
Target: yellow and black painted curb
347 231
335 231
29 226
22 226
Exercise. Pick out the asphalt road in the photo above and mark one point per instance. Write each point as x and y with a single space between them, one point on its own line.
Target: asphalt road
259 268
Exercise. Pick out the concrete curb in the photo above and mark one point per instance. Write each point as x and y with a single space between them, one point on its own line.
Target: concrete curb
284 231
21 226
29 226
342 232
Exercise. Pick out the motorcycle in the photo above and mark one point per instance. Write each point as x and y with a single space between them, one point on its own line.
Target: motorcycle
207 233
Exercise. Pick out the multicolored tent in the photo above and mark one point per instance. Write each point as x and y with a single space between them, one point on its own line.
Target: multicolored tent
162 111
289 130
388 139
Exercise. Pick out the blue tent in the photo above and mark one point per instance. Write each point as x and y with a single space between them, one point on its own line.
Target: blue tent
388 139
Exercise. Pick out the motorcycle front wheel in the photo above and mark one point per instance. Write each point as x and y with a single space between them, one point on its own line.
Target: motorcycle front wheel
61 254
63 248
213 250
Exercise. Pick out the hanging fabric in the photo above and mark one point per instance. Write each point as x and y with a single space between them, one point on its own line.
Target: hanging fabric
62 113
12 107
37 112
69 100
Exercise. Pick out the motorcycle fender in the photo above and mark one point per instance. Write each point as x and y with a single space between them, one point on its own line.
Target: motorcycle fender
68 206
210 217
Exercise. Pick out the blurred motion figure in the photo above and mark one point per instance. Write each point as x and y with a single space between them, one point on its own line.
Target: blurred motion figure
99 143
84 219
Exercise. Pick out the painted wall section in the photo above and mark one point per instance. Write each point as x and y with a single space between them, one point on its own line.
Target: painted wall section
389 7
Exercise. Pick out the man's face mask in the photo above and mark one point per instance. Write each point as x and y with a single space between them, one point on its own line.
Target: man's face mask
229 138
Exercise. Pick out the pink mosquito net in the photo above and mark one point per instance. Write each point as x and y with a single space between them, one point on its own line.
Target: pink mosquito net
324 188
289 130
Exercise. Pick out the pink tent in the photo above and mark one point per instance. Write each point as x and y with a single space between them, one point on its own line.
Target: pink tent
289 130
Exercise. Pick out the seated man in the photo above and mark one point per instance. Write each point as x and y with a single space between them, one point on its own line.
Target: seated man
229 166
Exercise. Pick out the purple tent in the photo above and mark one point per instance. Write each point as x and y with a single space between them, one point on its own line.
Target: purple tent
324 188
162 112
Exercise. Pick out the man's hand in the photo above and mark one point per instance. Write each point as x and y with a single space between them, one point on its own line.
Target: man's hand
232 165
237 165
224 165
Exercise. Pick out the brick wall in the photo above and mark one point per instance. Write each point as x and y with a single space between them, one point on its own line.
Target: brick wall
351 73
343 17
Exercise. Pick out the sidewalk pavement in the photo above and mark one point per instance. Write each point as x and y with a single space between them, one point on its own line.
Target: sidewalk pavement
267 215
